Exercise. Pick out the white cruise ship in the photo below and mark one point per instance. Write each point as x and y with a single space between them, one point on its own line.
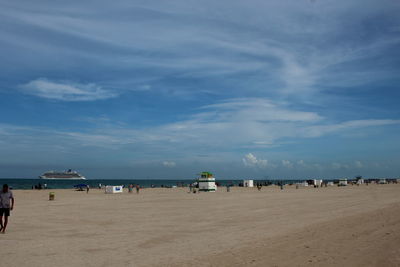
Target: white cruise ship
65 175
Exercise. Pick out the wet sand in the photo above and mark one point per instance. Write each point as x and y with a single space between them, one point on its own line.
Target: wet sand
334 226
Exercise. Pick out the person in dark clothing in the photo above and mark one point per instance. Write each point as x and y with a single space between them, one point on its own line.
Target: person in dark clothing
6 205
137 189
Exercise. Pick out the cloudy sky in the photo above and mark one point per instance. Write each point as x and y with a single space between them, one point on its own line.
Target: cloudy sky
166 89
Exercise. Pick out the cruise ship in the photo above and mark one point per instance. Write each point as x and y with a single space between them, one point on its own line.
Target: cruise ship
65 175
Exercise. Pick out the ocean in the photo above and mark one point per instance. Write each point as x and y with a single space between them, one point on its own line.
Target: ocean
17 183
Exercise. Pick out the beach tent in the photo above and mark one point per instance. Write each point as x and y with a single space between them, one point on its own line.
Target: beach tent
318 182
248 183
113 189
304 183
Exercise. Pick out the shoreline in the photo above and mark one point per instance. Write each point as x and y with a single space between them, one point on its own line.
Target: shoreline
28 184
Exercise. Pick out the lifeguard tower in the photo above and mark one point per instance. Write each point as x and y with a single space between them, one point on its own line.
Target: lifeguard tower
207 182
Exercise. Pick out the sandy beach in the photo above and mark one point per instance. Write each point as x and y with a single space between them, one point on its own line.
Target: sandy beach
334 226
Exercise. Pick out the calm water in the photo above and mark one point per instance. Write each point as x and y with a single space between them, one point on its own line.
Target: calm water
66 184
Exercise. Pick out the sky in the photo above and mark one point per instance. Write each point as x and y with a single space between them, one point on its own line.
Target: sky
167 89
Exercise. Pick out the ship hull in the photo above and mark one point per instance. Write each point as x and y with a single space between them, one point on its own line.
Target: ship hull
57 178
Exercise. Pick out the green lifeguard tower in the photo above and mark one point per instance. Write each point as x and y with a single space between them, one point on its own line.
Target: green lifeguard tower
207 182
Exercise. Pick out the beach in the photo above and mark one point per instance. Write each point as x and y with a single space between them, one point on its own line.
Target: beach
328 226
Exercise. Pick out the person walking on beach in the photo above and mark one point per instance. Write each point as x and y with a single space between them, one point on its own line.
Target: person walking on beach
87 189
130 188
190 188
137 189
6 196
228 188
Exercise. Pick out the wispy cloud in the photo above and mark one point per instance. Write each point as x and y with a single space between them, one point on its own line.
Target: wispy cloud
337 166
169 164
66 91
358 164
289 49
300 162
320 130
287 164
229 125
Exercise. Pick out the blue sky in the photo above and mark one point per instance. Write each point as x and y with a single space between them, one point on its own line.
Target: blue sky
166 89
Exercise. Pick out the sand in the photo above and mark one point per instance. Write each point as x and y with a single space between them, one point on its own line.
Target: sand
334 226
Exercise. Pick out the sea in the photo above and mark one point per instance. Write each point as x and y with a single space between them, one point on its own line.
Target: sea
18 183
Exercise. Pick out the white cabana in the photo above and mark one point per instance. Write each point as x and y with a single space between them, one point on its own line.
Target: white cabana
304 183
318 182
113 189
248 183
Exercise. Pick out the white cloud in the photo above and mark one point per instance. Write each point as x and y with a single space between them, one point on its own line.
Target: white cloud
301 163
338 166
318 166
287 164
358 164
169 164
250 160
66 91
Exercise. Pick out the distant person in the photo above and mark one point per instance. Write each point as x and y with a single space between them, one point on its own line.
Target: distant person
87 189
190 188
100 186
130 188
228 188
6 205
137 189
259 187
